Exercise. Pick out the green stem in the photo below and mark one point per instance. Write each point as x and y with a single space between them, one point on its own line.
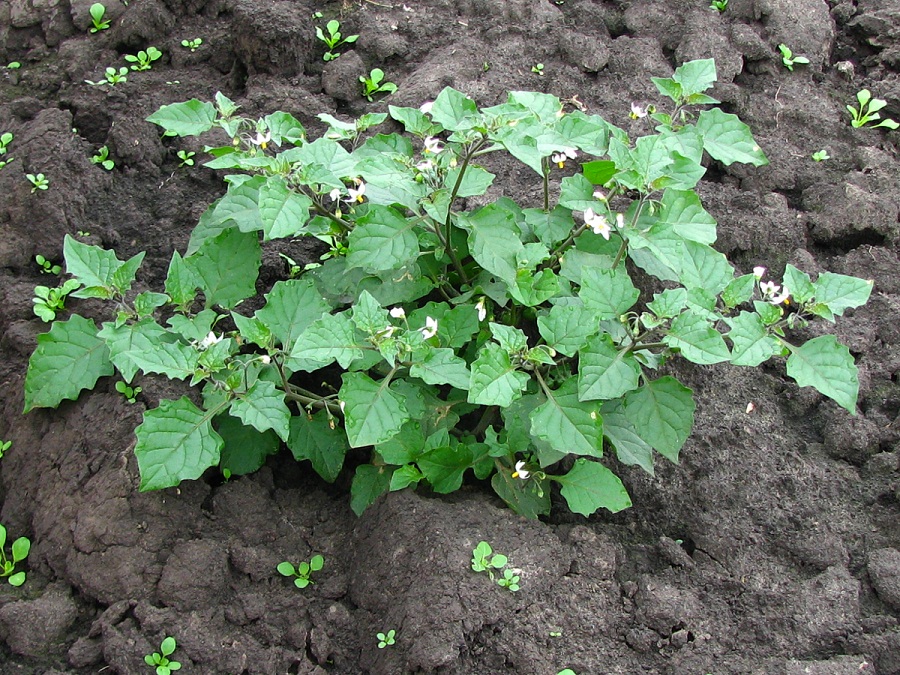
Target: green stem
487 418
447 224
545 166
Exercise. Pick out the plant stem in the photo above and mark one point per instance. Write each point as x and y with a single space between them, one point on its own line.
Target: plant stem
447 224
546 169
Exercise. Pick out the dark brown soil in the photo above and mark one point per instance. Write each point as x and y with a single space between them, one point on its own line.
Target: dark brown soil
773 549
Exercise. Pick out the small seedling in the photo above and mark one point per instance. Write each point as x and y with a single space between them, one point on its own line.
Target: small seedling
375 84
820 156
302 571
386 639
47 267
720 5
84 233
130 393
160 659
485 560
48 301
20 549
567 671
193 44
13 65
113 77
788 58
98 17
143 60
555 633
509 580
538 69
5 139
102 158
868 111
4 446
185 158
38 182
294 268
333 39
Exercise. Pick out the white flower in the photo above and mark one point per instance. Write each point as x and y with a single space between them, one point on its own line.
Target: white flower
482 311
600 194
342 405
209 341
779 298
520 471
759 272
397 312
386 332
771 293
425 108
561 157
433 145
262 140
427 165
335 194
430 329
620 221
265 359
356 195
597 223
637 112
769 288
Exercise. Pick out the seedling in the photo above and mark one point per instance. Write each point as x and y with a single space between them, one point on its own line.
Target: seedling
567 671
386 639
84 233
509 580
193 44
112 77
102 158
164 665
333 39
4 446
788 58
820 156
186 157
130 393
302 571
868 111
720 5
48 301
375 84
47 267
13 65
38 182
143 60
5 139
20 549
294 267
538 69
485 560
98 17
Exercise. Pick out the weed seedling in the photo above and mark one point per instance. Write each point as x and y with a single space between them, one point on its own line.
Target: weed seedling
164 665
20 549
868 111
98 17
720 5
112 77
193 44
143 60
333 39
788 58
4 446
47 267
302 571
38 182
5 139
375 84
13 65
485 560
538 69
294 267
130 393
509 580
102 158
186 158
820 156
386 639
84 233
48 301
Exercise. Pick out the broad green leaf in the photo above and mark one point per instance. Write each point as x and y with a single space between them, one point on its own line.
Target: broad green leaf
727 139
546 107
566 328
413 119
605 372
389 181
181 282
454 110
382 240
695 76
840 292
291 307
650 159
172 359
532 290
529 498
704 267
373 412
285 127
245 449
283 212
669 303
227 267
751 343
476 181
608 293
406 446
405 476
630 448
316 438
698 341
682 210
240 206
530 142
495 381
147 302
799 284
667 86
826 364
599 172
590 486
262 407
588 133
494 241
175 442
123 341
567 424
510 338
331 337
190 118
325 161
739 290
577 193
659 251
444 467
96 268
551 227
369 483
441 366
252 329
67 360
369 316
662 414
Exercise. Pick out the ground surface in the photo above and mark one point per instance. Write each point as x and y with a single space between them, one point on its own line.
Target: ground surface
774 548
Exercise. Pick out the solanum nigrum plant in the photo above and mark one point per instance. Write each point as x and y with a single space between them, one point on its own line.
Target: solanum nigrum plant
508 340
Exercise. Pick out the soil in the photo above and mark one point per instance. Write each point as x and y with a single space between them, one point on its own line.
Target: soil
772 549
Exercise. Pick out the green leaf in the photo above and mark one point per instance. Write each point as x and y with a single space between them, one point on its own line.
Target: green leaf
96 268
577 193
67 360
630 448
369 483
412 119
317 439
441 366
245 449
605 372
406 446
532 290
495 241
588 133
227 267
698 341
444 467
20 549
607 292
566 328
751 342
284 212
285 127
175 442
799 284
704 267
567 424
683 211
511 339
238 207
826 364
599 172
331 337
727 139
262 407
325 161
551 227
662 414
840 292
495 381
590 486
405 476
476 181
369 316
145 303
123 341
373 412
454 110
291 307
382 240
695 76
190 118
739 290
529 498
